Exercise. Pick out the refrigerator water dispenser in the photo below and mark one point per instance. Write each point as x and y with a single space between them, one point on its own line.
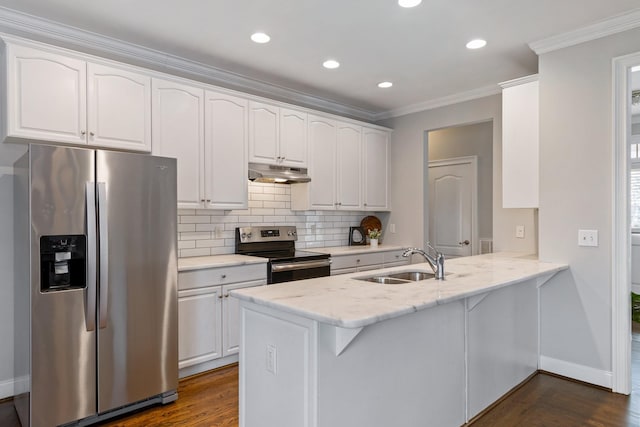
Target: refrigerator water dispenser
62 262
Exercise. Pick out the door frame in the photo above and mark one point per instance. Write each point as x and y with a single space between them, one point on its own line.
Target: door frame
621 229
473 162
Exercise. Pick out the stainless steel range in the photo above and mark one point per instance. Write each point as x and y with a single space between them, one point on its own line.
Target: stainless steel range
285 262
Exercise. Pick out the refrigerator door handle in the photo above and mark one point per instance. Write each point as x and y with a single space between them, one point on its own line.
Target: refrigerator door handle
92 245
104 253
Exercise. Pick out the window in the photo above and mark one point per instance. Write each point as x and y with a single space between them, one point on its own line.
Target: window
635 183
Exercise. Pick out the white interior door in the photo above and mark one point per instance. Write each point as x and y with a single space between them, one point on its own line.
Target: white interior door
453 206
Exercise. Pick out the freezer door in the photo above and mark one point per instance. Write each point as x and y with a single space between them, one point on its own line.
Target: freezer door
63 339
137 310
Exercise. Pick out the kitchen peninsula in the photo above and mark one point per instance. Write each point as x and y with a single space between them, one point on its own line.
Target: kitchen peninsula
339 351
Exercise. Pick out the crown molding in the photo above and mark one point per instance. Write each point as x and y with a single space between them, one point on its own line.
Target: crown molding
519 81
440 102
607 27
29 26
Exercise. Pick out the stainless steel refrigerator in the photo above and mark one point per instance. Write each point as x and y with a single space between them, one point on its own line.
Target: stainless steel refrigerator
95 285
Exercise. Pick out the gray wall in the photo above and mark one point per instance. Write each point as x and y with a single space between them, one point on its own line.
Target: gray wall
407 163
576 192
470 140
8 154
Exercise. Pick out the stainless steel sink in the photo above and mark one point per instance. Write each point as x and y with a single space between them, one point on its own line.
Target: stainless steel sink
398 278
384 280
414 276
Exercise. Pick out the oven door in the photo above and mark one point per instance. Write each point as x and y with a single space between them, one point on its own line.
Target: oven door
287 271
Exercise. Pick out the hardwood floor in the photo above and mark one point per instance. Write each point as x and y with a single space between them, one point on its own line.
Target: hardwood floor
211 400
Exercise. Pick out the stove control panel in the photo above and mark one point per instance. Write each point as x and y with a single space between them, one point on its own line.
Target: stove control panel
266 234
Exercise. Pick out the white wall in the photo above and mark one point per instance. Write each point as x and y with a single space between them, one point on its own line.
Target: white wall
8 154
576 192
408 160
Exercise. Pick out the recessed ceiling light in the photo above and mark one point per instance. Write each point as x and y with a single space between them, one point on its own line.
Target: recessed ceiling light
331 64
409 3
476 44
260 38
385 85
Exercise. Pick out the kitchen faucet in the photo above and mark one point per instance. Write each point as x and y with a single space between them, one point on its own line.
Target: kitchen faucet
436 263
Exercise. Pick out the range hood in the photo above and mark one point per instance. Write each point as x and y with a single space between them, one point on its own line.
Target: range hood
278 174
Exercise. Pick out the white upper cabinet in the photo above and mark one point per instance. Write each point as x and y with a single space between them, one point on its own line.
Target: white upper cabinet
46 96
349 166
520 145
277 135
56 98
376 172
119 114
293 138
322 165
178 132
226 142
264 132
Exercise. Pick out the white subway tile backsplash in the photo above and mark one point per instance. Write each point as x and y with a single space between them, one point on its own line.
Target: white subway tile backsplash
203 232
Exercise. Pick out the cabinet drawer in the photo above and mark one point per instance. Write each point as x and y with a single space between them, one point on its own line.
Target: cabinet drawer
395 256
221 276
359 260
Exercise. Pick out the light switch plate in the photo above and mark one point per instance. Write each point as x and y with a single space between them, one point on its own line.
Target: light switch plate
587 237
520 231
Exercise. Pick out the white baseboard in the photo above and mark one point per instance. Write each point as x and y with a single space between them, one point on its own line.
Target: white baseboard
207 366
7 388
577 372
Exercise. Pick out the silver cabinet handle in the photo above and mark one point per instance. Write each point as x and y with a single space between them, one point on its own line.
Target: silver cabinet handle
92 268
220 296
465 243
223 276
103 224
92 134
226 296
202 200
83 132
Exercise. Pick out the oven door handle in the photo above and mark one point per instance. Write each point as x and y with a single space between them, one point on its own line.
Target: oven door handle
303 265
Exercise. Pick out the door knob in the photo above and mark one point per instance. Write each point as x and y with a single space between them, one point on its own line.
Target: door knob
465 243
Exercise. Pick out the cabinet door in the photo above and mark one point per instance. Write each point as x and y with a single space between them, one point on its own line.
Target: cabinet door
225 135
293 138
119 108
46 96
178 132
349 165
322 162
199 325
231 317
263 133
375 169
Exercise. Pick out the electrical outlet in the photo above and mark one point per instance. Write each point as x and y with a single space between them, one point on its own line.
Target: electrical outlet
520 231
392 228
587 237
272 359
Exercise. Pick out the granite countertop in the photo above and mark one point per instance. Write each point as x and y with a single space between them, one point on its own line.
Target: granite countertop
196 263
353 250
349 303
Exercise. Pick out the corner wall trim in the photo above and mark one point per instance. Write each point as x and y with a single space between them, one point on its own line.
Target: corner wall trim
583 373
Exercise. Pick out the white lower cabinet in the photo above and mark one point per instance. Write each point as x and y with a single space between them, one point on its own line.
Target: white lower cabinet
209 322
342 264
199 321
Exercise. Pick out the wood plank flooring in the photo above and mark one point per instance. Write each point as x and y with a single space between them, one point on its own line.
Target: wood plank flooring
211 400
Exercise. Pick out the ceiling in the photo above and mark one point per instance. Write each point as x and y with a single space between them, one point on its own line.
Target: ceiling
421 50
